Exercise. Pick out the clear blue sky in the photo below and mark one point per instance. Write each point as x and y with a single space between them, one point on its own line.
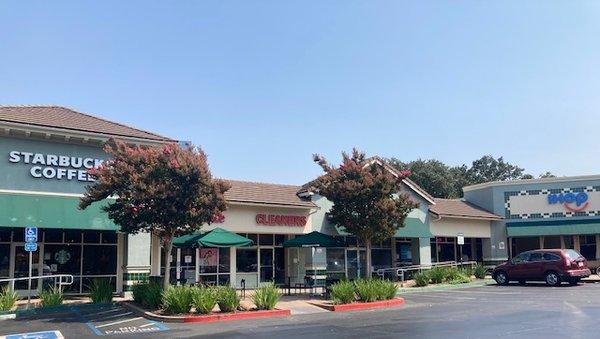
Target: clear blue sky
261 85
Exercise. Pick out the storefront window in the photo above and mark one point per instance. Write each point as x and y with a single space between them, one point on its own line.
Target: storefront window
381 258
279 239
568 239
62 259
253 237
224 261
552 242
73 237
4 260
247 260
336 260
98 260
109 237
5 235
209 260
587 246
91 237
55 236
266 239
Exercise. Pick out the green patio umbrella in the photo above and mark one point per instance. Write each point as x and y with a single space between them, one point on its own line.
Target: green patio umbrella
314 239
215 238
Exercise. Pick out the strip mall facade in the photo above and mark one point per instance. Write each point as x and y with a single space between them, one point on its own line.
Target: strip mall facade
45 152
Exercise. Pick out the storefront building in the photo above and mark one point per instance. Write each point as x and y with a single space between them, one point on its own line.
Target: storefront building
541 213
45 154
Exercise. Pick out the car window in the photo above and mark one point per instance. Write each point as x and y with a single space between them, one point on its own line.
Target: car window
521 258
572 254
551 257
536 256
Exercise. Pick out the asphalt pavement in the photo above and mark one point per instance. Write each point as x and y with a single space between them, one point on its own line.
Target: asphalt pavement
531 311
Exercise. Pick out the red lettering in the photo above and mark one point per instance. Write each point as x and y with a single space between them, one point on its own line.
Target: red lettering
280 220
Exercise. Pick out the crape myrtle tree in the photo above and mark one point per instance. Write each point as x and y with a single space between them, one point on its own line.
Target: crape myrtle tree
366 198
164 190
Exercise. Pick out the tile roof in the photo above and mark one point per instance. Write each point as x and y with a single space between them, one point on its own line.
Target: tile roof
460 209
263 193
68 119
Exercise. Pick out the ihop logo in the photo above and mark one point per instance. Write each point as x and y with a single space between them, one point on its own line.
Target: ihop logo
574 202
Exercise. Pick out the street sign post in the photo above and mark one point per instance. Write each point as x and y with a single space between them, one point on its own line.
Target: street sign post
31 237
460 240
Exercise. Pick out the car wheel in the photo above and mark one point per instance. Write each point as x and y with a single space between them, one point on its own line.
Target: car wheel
501 278
552 279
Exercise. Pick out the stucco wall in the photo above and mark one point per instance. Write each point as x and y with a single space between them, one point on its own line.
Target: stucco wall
450 227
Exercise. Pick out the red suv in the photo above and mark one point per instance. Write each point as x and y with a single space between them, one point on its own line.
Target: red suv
551 266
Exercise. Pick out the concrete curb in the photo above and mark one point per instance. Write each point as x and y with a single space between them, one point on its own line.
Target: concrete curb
358 306
208 317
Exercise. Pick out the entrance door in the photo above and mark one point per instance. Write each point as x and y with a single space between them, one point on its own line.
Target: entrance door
279 265
21 269
357 262
266 264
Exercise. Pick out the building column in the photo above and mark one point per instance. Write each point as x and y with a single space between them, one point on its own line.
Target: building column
541 240
562 242
576 245
421 251
597 246
120 265
155 256
232 267
197 275
177 264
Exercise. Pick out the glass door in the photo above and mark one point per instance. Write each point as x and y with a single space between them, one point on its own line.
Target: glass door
357 262
22 269
279 265
266 264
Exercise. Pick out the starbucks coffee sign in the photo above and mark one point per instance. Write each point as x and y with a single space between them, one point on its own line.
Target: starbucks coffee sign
56 167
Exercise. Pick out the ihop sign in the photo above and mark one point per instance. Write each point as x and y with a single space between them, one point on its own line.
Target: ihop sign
574 202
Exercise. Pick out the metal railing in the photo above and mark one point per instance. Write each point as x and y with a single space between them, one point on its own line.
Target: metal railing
402 272
59 280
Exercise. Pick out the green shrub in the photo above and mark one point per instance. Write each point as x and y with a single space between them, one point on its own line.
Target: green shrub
366 290
421 279
51 297
342 292
467 270
227 299
177 299
8 298
101 290
386 290
437 275
460 279
479 272
451 274
148 294
204 299
266 297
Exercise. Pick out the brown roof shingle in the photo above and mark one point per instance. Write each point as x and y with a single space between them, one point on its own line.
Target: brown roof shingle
263 193
66 118
460 209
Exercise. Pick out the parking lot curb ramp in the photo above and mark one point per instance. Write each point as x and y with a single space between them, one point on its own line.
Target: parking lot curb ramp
208 318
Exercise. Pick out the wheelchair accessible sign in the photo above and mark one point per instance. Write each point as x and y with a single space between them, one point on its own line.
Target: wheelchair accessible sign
31 238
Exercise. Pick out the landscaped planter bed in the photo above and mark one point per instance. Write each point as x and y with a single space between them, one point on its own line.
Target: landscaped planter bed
206 318
358 306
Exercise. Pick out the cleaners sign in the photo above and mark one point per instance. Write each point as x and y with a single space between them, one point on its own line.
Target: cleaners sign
52 166
574 202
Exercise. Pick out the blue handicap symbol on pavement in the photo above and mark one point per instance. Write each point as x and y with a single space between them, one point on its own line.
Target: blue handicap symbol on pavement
36 335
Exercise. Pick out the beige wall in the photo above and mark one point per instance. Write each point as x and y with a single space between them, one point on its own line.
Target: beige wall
242 219
450 227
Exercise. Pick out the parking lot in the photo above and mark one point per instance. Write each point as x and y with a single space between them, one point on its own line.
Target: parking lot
531 311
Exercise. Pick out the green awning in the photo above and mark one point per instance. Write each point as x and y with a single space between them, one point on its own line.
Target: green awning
314 239
553 227
50 211
414 227
215 238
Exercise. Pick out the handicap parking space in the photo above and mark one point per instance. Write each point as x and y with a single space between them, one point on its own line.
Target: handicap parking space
107 320
35 335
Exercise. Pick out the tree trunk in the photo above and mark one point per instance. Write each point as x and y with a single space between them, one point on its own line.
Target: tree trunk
368 249
167 248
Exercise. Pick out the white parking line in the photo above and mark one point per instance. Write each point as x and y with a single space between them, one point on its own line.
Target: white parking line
111 316
103 312
119 322
148 324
